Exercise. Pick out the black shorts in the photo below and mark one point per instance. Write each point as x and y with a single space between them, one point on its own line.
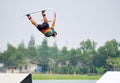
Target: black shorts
42 26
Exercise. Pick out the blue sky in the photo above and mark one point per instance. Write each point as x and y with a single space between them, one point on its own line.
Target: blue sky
77 20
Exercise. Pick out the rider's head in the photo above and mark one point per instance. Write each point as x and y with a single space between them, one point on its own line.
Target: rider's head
54 34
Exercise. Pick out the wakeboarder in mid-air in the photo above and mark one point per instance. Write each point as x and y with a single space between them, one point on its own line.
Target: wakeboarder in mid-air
45 28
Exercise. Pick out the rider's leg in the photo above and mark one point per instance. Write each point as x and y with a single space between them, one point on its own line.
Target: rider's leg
44 16
32 21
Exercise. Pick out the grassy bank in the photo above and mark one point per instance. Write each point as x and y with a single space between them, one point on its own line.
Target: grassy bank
63 77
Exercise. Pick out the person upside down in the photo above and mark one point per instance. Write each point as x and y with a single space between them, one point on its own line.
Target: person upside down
44 27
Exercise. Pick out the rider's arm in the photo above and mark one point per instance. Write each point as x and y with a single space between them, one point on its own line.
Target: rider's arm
53 23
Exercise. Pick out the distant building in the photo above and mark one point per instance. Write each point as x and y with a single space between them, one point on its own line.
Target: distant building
12 70
30 67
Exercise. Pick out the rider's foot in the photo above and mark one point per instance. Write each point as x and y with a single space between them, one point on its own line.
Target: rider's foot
43 13
28 15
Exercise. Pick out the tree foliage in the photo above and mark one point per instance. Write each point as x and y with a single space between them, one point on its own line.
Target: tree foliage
82 60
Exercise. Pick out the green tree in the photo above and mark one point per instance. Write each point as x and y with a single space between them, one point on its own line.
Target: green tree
74 59
32 42
100 70
14 57
53 53
43 55
64 61
106 52
19 58
112 48
31 51
87 54
8 54
113 63
100 59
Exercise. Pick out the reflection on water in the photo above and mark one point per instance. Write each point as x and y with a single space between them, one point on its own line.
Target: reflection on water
64 81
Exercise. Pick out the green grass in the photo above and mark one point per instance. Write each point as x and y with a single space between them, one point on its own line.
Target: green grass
63 77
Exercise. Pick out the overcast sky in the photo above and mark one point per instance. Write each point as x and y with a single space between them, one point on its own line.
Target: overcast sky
77 20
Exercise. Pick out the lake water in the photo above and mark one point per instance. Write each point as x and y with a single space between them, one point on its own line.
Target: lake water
64 81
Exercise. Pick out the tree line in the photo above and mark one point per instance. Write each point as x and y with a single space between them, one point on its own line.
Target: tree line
86 59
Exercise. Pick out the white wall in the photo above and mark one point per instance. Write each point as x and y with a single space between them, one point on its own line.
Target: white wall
12 78
110 77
